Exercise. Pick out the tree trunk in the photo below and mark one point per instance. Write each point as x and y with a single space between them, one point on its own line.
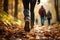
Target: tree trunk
6 6
56 8
16 8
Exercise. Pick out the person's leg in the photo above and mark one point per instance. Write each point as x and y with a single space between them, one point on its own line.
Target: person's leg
42 21
48 21
26 8
26 15
26 4
32 6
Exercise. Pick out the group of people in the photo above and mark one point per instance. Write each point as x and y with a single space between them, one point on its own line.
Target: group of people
43 15
27 18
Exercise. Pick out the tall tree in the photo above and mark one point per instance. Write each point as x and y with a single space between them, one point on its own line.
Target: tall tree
56 8
16 8
6 5
0 4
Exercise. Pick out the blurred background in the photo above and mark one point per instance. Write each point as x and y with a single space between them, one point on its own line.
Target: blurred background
14 29
15 8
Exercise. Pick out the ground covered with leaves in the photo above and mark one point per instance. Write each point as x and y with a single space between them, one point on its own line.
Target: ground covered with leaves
13 29
51 32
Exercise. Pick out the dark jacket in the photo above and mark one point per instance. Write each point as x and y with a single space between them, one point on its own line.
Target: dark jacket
42 11
49 16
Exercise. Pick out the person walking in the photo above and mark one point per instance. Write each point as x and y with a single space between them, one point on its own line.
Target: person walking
26 13
49 17
42 13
